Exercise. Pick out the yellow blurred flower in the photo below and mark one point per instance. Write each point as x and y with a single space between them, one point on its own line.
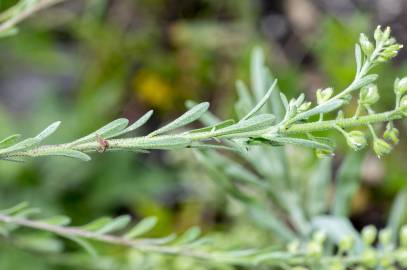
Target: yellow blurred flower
153 90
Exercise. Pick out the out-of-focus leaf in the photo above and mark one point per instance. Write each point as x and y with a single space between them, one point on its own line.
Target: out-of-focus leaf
10 140
144 226
398 213
115 224
57 220
347 183
261 103
257 73
317 187
191 115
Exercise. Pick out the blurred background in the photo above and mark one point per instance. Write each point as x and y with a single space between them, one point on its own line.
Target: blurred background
88 62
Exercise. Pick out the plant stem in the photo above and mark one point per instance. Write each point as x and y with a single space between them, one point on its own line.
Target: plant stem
159 142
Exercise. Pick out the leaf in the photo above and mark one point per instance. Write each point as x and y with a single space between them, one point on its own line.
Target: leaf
336 229
257 73
107 131
347 183
97 224
358 58
27 143
48 131
323 108
217 126
318 181
164 143
57 220
191 115
398 212
15 209
261 102
66 153
208 119
189 236
141 228
363 81
10 140
255 123
83 243
245 102
300 142
140 122
285 102
115 225
215 146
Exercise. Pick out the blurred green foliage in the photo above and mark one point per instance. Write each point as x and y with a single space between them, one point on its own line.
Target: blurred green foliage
87 62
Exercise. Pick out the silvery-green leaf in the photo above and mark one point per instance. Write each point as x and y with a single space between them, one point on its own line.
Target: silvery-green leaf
27 143
144 226
358 58
364 81
319 180
189 236
257 73
191 115
10 140
66 153
301 142
347 183
15 209
261 102
115 225
215 147
257 122
323 108
48 131
141 121
161 143
57 220
284 100
398 212
97 224
245 102
83 243
217 126
208 118
107 131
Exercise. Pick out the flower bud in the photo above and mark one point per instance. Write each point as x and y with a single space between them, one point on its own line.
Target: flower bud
386 33
293 247
385 236
356 140
403 105
324 95
323 153
378 33
366 45
403 236
319 237
400 86
391 133
369 234
369 258
369 94
314 249
305 106
346 243
381 147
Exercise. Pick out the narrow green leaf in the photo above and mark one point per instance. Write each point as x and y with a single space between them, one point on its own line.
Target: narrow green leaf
347 183
97 224
215 127
189 236
323 108
257 73
116 224
208 119
83 243
57 220
140 122
48 131
215 147
358 58
257 122
144 226
107 131
398 212
261 102
66 153
245 102
25 144
163 143
364 81
15 209
300 142
10 140
191 115
319 180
